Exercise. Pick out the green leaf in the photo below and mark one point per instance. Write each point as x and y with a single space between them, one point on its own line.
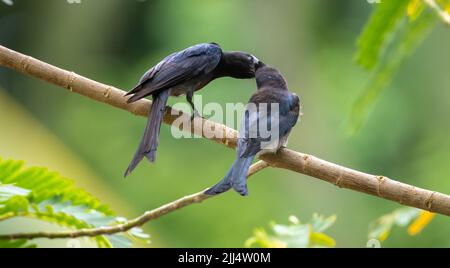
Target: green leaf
321 240
45 185
22 243
320 223
16 204
7 191
8 2
295 235
404 216
415 8
120 241
139 233
261 239
409 37
420 222
376 33
381 228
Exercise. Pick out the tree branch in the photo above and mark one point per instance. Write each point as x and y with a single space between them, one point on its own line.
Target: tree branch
340 176
445 17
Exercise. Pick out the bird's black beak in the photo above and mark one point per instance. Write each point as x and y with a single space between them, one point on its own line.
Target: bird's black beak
256 63
259 64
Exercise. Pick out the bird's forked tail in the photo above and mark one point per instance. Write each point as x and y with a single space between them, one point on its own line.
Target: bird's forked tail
236 178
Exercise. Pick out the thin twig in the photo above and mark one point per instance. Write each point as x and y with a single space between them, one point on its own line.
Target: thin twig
142 219
340 176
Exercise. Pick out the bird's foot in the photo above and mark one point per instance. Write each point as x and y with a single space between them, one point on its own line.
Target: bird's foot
196 114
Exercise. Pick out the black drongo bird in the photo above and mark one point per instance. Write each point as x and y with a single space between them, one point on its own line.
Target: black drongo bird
183 72
272 106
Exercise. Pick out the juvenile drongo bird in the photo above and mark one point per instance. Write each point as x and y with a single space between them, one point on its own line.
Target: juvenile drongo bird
183 72
272 107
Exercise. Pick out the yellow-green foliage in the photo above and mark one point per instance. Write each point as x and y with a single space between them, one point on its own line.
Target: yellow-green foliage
414 218
41 194
394 31
295 235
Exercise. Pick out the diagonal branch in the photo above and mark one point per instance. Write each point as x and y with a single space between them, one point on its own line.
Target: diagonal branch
340 176
443 14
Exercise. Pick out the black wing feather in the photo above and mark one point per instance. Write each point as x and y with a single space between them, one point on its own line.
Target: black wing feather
288 121
178 68
248 146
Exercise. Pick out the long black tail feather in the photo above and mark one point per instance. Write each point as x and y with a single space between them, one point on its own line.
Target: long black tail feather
150 139
236 178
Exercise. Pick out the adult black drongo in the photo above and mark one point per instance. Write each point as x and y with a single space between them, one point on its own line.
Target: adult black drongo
180 73
272 107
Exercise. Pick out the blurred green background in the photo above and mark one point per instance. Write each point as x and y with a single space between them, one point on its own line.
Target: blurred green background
311 42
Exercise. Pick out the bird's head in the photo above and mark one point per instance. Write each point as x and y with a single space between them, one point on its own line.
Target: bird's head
240 64
269 76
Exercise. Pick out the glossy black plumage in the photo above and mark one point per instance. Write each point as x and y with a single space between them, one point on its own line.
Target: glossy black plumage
183 73
272 89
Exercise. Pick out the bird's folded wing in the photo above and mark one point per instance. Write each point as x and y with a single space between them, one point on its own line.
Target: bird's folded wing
178 68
